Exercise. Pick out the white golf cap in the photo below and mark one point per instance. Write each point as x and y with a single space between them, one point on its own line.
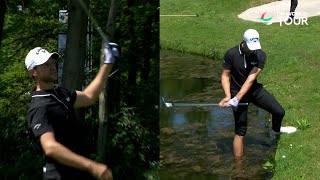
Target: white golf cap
38 56
251 37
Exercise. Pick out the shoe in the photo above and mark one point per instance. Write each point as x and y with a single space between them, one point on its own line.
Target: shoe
291 19
288 20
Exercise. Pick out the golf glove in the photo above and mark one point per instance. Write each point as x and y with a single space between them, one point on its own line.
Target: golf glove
110 53
233 102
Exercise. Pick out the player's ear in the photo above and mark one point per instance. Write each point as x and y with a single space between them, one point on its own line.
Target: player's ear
33 72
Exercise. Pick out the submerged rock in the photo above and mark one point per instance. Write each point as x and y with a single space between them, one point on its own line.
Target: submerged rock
167 131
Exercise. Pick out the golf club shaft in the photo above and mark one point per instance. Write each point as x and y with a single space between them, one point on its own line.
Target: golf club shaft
199 104
94 22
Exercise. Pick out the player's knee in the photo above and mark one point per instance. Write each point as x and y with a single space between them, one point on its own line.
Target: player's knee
241 131
279 113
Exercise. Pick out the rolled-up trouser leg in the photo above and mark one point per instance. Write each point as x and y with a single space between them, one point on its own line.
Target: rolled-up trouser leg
240 114
264 100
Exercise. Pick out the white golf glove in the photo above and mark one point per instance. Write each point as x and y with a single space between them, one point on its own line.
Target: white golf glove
233 102
110 53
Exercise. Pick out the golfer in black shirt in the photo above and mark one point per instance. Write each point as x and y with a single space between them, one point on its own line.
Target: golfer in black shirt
242 65
51 116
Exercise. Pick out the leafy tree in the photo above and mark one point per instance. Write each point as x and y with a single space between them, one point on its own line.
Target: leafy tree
132 136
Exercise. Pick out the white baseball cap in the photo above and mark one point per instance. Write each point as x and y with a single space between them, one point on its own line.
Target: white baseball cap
38 56
251 37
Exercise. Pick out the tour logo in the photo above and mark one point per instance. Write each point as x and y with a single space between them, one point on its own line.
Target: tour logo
265 19
285 18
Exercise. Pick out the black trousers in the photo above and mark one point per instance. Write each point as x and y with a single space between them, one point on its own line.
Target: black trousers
293 6
264 100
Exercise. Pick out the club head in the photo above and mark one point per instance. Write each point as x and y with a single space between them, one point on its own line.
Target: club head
169 104
166 104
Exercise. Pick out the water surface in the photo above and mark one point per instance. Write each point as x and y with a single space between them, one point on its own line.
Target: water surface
196 142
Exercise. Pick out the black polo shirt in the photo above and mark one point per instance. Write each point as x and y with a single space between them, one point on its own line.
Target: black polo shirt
52 111
240 66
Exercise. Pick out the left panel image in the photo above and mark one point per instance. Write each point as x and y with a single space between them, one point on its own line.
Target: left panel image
79 89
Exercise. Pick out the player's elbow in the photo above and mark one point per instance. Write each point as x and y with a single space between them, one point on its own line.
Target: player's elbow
49 145
90 100
84 99
50 148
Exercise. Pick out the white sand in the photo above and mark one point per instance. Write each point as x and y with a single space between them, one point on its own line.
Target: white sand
279 11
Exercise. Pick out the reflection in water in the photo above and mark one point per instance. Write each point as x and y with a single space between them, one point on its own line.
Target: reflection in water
174 87
196 143
178 119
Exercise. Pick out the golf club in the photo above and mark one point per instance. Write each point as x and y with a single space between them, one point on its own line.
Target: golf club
113 72
179 15
96 25
167 104
94 22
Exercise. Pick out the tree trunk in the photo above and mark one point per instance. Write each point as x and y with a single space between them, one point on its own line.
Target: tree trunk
3 9
103 100
147 42
131 96
73 65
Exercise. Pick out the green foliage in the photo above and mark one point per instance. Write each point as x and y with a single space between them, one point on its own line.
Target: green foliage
131 142
17 145
303 123
270 164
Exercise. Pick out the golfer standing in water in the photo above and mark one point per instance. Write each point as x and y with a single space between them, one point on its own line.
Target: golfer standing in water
242 65
51 116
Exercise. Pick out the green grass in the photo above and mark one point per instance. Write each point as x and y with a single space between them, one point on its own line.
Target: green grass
291 73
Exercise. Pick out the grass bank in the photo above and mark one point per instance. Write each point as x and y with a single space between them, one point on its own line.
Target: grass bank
291 73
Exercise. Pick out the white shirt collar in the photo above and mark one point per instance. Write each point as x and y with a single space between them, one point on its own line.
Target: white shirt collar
240 49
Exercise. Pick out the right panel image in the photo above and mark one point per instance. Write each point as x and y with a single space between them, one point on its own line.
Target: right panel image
237 98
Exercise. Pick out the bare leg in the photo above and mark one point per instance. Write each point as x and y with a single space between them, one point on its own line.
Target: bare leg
238 170
238 146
